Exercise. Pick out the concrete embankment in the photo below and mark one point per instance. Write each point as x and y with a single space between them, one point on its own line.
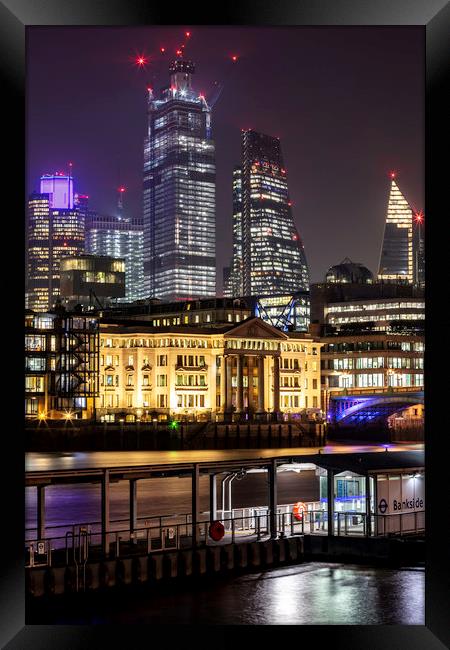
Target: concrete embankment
86 436
156 568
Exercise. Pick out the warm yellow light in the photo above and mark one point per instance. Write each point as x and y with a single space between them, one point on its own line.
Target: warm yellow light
42 415
68 415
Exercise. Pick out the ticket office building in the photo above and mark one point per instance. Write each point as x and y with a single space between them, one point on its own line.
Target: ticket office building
249 371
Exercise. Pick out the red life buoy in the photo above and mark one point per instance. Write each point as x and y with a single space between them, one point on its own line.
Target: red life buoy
298 510
216 531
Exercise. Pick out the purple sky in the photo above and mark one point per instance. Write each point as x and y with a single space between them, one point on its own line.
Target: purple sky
347 104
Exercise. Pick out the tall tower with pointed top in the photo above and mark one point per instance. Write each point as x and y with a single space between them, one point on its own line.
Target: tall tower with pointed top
402 245
179 191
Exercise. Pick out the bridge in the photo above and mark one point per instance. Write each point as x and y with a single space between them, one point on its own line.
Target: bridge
365 407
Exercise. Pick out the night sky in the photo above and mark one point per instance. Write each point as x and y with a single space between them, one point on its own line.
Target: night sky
347 104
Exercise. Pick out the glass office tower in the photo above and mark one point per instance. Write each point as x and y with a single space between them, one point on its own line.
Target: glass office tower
179 191
119 238
38 252
268 253
402 249
52 235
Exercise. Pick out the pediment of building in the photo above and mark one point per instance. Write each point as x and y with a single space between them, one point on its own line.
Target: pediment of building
255 328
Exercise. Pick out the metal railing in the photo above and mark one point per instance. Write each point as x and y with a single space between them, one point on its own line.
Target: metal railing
240 525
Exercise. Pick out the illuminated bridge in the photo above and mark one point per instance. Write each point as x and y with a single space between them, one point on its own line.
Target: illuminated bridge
363 408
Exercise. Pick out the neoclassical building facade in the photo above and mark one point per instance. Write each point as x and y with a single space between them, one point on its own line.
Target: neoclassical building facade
248 370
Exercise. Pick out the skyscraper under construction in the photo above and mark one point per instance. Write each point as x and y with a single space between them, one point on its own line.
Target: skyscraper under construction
179 191
268 254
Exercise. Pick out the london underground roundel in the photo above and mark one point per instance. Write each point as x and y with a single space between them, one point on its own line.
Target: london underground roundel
298 509
216 531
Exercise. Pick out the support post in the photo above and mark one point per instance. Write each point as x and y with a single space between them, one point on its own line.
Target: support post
212 497
330 501
273 498
195 504
133 505
105 511
41 511
368 513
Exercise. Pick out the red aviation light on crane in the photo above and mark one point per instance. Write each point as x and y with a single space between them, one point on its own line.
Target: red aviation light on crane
162 50
187 34
179 52
121 189
141 60
234 58
393 174
419 216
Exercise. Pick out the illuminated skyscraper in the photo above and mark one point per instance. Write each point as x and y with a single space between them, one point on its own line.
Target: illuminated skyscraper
268 253
119 238
233 282
402 252
179 192
52 233
38 252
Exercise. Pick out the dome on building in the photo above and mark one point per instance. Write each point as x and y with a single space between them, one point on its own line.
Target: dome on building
348 271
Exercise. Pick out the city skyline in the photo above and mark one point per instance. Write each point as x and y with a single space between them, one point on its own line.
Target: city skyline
389 143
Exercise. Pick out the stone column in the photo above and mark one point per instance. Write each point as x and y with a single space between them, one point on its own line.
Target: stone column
229 371
261 384
276 384
240 383
223 383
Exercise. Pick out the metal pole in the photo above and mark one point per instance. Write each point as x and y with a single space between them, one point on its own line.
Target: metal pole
330 501
105 511
133 506
368 531
273 498
212 497
41 511
195 503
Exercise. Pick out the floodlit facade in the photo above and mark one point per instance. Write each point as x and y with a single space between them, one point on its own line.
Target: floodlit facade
268 253
52 235
120 238
59 187
403 252
179 191
242 371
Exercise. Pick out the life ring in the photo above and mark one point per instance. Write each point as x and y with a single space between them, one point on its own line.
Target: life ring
298 509
216 531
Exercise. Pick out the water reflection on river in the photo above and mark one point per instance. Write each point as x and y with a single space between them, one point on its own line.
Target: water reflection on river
310 593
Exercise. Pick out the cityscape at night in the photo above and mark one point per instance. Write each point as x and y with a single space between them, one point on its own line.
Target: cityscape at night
225 325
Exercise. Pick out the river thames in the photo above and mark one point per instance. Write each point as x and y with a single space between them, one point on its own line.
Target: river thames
314 593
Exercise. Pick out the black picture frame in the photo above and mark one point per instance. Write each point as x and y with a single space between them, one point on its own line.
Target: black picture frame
433 15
